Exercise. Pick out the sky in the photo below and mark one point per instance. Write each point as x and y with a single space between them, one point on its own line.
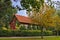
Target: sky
22 12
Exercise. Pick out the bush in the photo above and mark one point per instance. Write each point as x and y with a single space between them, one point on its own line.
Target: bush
22 28
8 33
30 33
48 33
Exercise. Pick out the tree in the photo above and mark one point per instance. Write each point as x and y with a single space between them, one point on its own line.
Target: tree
40 12
57 23
6 12
29 4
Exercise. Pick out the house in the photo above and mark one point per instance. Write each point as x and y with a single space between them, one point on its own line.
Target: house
21 19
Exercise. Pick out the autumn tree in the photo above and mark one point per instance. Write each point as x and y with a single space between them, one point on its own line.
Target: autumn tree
40 12
57 22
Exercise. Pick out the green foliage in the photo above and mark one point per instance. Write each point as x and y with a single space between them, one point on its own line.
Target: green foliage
33 3
58 12
22 28
6 12
29 28
8 33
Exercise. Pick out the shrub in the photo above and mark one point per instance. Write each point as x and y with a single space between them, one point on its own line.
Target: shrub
23 33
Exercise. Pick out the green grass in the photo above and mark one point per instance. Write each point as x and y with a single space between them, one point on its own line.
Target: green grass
45 38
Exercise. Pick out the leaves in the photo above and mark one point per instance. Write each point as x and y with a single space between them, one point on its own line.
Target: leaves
44 17
33 3
6 12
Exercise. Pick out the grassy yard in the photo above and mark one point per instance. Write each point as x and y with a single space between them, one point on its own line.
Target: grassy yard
45 38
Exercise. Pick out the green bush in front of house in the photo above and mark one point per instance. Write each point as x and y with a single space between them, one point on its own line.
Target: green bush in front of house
31 32
23 33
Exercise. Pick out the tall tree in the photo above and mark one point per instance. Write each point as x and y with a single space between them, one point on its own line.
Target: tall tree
6 12
29 4
40 12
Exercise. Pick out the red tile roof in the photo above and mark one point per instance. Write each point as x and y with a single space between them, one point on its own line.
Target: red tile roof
23 19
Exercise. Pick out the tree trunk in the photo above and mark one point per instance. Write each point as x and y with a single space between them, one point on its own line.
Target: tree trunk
57 33
42 32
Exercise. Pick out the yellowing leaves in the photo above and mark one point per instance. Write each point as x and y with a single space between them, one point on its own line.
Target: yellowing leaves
44 17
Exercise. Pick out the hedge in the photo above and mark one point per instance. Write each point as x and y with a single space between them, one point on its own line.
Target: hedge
6 33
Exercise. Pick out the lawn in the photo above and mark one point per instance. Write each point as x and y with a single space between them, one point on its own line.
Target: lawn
45 38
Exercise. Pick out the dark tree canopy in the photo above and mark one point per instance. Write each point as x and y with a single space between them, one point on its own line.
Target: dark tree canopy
33 3
6 12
